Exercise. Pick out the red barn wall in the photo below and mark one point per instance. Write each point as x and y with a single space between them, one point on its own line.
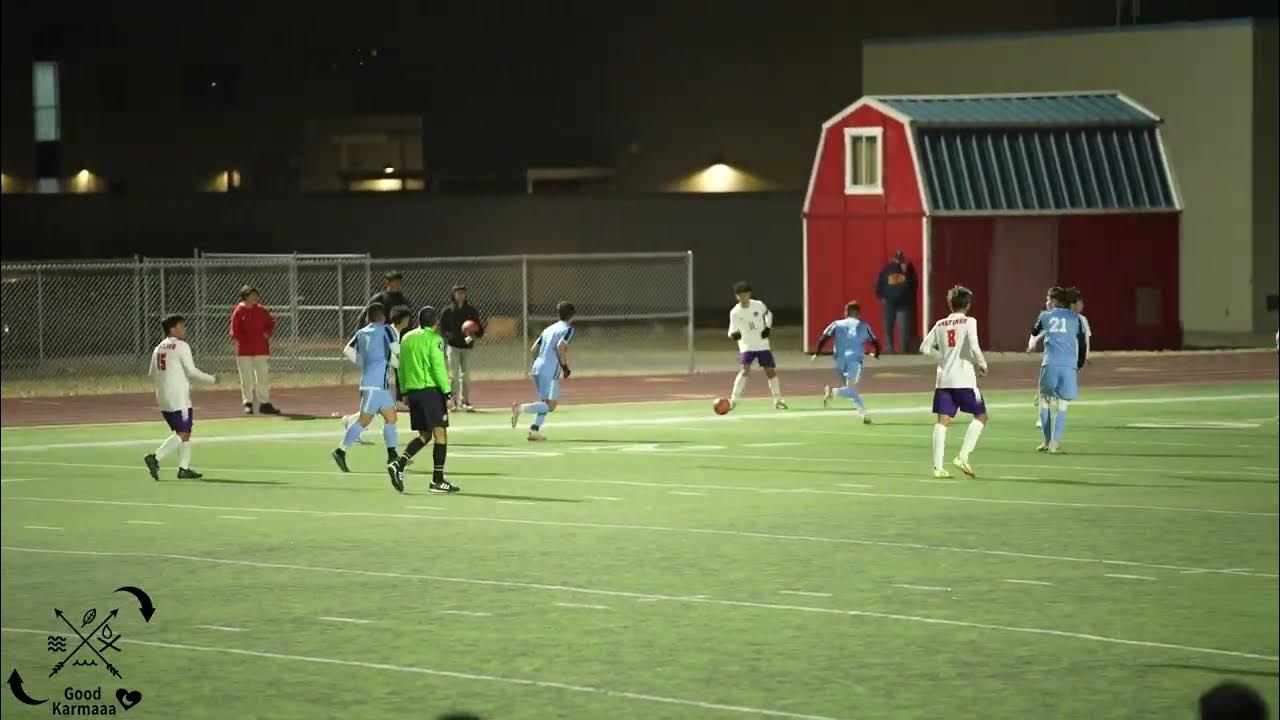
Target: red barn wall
960 254
850 237
1109 257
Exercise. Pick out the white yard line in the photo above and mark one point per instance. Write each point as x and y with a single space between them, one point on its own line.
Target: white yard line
1129 577
663 529
909 586
634 422
223 628
1016 477
804 593
468 613
685 492
144 522
41 527
1016 629
236 517
602 497
14 480
516 502
1027 582
331 618
425 507
541 684
637 483
859 486
584 606
1228 571
771 444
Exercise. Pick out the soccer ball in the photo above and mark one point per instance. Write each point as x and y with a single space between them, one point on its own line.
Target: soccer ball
721 406
470 328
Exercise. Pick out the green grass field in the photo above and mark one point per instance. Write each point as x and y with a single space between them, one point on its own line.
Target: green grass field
655 561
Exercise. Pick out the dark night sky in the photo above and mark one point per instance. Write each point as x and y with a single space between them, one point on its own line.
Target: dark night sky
500 85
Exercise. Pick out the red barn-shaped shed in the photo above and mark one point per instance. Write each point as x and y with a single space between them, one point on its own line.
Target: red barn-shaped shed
1007 195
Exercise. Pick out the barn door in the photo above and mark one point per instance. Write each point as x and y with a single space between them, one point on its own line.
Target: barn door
1024 263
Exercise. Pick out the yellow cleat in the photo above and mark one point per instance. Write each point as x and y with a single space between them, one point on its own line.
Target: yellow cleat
940 474
963 464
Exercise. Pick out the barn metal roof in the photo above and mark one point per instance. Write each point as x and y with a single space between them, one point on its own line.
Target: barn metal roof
1043 110
1048 169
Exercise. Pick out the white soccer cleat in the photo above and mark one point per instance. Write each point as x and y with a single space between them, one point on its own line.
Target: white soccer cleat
535 436
866 418
965 467
515 414
779 405
1042 447
1055 448
826 397
940 474
1039 424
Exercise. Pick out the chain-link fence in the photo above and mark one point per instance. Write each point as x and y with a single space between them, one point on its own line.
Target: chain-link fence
88 322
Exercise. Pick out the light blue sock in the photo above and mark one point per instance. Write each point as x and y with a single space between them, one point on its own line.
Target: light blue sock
852 394
389 435
1045 426
537 408
353 434
541 418
845 392
1059 424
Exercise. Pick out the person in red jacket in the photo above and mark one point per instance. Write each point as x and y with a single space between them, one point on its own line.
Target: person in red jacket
251 328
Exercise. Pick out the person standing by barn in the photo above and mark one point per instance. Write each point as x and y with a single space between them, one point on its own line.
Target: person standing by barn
896 288
452 320
250 329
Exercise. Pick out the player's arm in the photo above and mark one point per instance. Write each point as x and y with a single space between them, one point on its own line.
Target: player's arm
1037 332
233 325
1082 348
975 352
768 321
562 352
189 365
734 334
393 347
152 368
929 346
350 352
533 349
438 369
822 344
271 321
875 341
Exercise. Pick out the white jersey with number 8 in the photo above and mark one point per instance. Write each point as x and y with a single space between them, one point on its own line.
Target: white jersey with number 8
171 370
954 341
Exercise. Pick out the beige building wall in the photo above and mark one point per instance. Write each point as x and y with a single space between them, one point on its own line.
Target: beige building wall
1202 80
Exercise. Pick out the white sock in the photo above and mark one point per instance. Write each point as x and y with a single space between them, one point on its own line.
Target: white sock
971 438
184 455
939 445
169 445
739 386
775 388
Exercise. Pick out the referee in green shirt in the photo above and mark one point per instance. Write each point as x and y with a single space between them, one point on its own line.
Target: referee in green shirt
423 377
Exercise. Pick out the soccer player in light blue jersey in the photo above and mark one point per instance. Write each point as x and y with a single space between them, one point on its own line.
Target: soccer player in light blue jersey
851 336
1065 352
375 348
551 362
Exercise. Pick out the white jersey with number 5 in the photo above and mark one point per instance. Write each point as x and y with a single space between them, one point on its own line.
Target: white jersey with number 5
751 322
954 341
171 370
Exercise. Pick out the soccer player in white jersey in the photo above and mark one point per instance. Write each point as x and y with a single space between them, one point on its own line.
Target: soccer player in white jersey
954 341
749 324
171 370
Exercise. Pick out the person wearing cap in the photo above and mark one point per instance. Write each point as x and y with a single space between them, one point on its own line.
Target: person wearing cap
459 345
425 381
388 297
896 288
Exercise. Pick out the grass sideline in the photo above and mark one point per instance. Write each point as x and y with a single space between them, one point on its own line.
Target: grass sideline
656 561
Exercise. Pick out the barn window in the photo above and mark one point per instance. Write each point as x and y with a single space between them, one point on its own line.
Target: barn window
863 161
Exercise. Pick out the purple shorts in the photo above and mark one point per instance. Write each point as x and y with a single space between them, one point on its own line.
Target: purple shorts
949 401
764 357
180 421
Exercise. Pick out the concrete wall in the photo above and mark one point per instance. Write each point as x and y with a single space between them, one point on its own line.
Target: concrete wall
1204 80
753 236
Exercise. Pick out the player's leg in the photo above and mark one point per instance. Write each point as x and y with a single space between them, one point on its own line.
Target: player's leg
453 359
390 435
944 407
539 409
464 380
767 362
370 404
973 404
549 390
184 448
852 375
262 376
244 368
171 443
1067 391
740 382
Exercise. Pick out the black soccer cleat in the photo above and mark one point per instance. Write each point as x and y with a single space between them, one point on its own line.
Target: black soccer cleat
268 409
153 466
248 408
188 474
340 457
397 476
444 486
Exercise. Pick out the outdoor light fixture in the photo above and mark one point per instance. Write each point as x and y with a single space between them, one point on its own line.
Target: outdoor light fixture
388 170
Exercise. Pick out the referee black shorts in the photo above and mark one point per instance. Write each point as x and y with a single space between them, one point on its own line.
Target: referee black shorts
427 409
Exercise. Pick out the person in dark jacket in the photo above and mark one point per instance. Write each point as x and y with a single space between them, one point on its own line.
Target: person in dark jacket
388 297
896 288
459 351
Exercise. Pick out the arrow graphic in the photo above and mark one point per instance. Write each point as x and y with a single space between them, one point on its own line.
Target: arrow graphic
15 684
144 601
84 640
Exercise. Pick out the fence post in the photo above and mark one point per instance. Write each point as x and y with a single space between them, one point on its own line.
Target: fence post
137 305
689 300
524 308
341 302
293 303
40 314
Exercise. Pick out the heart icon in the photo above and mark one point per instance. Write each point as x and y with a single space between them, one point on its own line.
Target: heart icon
128 698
